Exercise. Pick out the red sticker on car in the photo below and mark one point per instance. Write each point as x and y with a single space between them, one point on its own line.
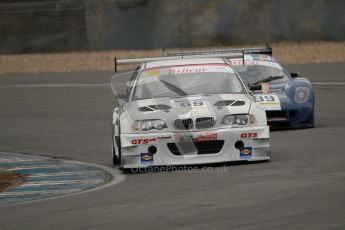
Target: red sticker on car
249 135
196 136
143 141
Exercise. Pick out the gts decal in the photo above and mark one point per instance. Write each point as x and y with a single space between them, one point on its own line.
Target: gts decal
249 135
143 141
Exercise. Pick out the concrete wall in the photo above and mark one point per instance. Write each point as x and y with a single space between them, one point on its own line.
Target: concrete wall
42 26
67 25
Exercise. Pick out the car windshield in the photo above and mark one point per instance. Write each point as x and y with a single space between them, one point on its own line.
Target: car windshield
256 72
175 81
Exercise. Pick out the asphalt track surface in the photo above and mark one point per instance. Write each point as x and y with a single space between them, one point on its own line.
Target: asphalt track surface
302 187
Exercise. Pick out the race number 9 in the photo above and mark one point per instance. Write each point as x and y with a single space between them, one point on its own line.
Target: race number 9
198 103
264 98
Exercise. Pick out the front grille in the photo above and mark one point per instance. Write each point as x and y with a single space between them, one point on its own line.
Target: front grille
184 124
277 115
203 147
204 122
281 115
200 123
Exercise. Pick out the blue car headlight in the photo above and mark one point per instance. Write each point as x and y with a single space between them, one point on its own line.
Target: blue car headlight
145 125
301 94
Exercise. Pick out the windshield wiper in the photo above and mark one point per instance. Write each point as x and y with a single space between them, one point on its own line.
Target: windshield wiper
271 78
174 88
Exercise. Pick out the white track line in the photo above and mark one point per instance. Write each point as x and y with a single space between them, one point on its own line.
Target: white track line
40 166
40 175
38 192
43 183
15 160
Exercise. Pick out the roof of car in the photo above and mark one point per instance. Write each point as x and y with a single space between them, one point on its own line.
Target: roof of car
186 61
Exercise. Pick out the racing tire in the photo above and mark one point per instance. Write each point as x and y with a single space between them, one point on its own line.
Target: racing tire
312 121
117 159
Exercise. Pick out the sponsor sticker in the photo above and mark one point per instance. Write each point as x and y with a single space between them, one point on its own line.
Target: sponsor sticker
196 136
154 72
181 70
246 62
143 141
249 135
268 63
201 69
146 158
164 137
246 152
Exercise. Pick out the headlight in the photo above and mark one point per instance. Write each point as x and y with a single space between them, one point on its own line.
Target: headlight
240 119
301 94
235 119
145 125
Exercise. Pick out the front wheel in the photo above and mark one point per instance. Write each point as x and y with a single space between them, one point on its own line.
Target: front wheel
312 120
116 158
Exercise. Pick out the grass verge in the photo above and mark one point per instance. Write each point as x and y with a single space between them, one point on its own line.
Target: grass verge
9 179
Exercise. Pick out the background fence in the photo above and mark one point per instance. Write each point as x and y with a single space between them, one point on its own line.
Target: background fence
80 25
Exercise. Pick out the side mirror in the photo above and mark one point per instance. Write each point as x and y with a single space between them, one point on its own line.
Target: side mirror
294 74
129 85
122 100
255 87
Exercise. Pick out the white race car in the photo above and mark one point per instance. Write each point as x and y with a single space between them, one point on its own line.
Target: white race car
186 110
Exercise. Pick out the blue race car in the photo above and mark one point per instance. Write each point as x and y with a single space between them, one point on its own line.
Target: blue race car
287 98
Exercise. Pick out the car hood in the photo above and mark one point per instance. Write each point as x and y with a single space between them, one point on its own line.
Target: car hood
200 106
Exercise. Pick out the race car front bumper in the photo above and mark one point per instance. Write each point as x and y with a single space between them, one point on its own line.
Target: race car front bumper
195 147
